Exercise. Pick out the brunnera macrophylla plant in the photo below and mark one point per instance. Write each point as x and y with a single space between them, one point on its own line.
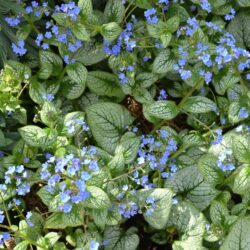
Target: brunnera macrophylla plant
124 125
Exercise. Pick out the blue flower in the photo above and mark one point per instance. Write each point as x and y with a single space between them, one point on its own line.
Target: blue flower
18 48
150 16
94 245
12 21
163 95
218 138
1 216
243 113
229 16
123 78
28 216
205 5
67 208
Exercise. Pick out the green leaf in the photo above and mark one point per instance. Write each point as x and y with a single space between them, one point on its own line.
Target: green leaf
228 80
209 169
107 122
71 89
23 32
103 83
37 137
120 240
163 63
218 212
86 7
165 110
128 147
242 180
173 23
98 198
81 32
50 64
77 73
238 237
60 18
114 11
31 135
49 114
193 188
99 216
21 115
142 95
163 202
110 31
36 92
165 39
190 224
61 220
244 3
198 105
234 112
177 10
241 149
239 28
22 245
146 79
144 4
90 53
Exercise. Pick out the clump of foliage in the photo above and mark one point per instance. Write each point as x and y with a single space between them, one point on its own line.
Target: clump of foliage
125 124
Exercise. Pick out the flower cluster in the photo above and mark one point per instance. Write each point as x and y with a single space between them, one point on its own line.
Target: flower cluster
18 178
78 169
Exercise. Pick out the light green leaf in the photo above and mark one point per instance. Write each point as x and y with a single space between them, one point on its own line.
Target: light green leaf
190 224
198 105
165 110
244 3
120 240
61 220
71 89
242 180
31 135
77 73
163 63
173 23
50 64
86 7
144 4
218 212
110 31
238 238
49 114
241 148
22 245
103 83
107 121
99 216
146 79
90 53
128 147
163 202
81 32
234 111
165 39
193 188
239 28
37 137
114 11
209 169
228 80
98 198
